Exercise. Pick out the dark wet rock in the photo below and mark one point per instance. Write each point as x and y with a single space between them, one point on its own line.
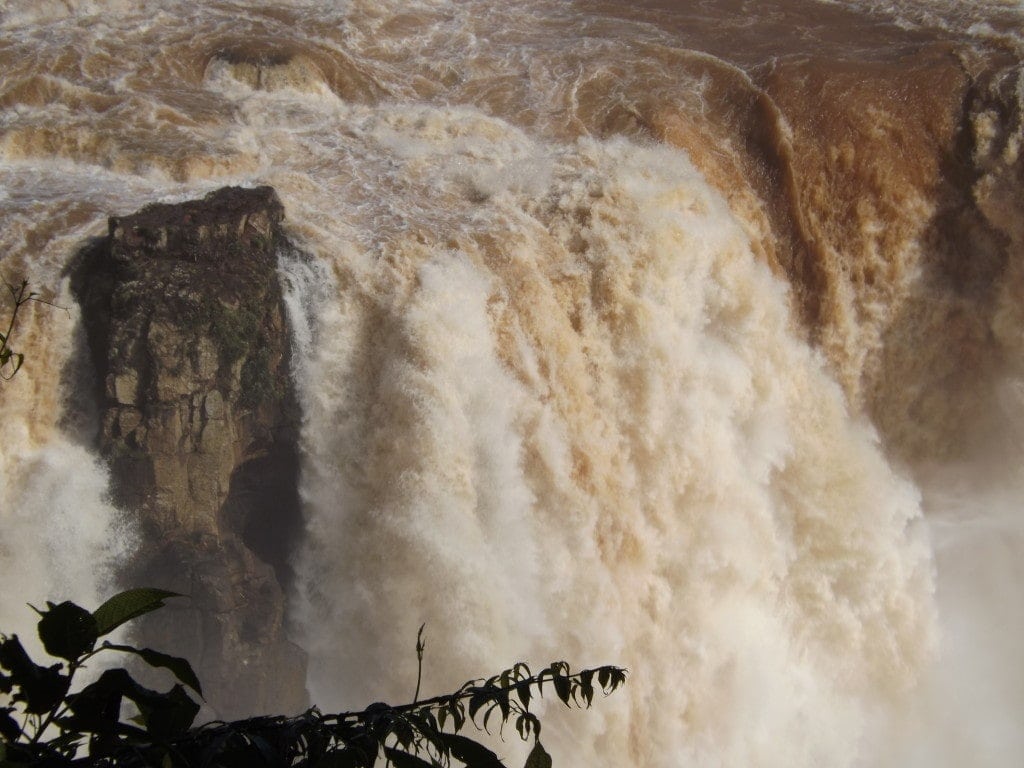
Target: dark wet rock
198 421
270 68
273 65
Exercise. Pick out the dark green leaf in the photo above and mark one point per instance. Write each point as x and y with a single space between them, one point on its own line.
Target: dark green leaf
21 756
587 678
618 677
97 707
128 605
476 702
523 727
41 688
403 732
167 714
473 754
424 720
523 690
562 687
179 667
535 722
539 758
67 630
426 724
9 727
586 687
404 759
458 714
587 691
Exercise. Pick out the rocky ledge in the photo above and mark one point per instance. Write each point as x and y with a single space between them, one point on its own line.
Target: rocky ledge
198 420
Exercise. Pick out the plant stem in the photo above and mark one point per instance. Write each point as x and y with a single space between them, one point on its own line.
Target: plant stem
20 297
420 646
6 353
72 668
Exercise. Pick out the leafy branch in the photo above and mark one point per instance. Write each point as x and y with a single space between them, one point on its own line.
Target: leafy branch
42 694
420 734
10 360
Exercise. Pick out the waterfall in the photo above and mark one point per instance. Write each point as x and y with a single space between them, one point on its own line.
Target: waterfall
679 336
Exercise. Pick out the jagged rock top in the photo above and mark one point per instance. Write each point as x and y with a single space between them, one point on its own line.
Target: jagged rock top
226 221
184 297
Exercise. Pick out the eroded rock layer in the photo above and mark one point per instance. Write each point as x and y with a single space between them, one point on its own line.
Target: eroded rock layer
185 321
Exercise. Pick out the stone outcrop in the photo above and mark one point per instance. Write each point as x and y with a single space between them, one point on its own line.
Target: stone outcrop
185 322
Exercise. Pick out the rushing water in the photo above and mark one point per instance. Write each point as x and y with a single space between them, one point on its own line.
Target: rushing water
679 335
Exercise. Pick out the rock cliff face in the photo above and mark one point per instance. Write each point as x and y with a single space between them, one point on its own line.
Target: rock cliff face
185 321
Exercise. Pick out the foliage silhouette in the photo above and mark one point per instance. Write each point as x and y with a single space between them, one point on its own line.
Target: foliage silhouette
10 360
44 724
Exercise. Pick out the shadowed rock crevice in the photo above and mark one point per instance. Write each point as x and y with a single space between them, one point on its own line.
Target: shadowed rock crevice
260 488
199 424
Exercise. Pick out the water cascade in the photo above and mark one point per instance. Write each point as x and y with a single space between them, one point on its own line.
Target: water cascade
681 336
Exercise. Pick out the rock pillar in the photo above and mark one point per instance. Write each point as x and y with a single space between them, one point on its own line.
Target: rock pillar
185 321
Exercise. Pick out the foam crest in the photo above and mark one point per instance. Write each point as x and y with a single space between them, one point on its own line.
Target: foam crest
269 70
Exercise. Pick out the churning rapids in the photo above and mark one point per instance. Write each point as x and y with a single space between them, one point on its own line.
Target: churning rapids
685 336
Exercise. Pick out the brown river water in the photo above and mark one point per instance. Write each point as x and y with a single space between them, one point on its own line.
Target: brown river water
687 336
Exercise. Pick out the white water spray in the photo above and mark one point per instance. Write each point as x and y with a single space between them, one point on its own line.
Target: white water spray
587 427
